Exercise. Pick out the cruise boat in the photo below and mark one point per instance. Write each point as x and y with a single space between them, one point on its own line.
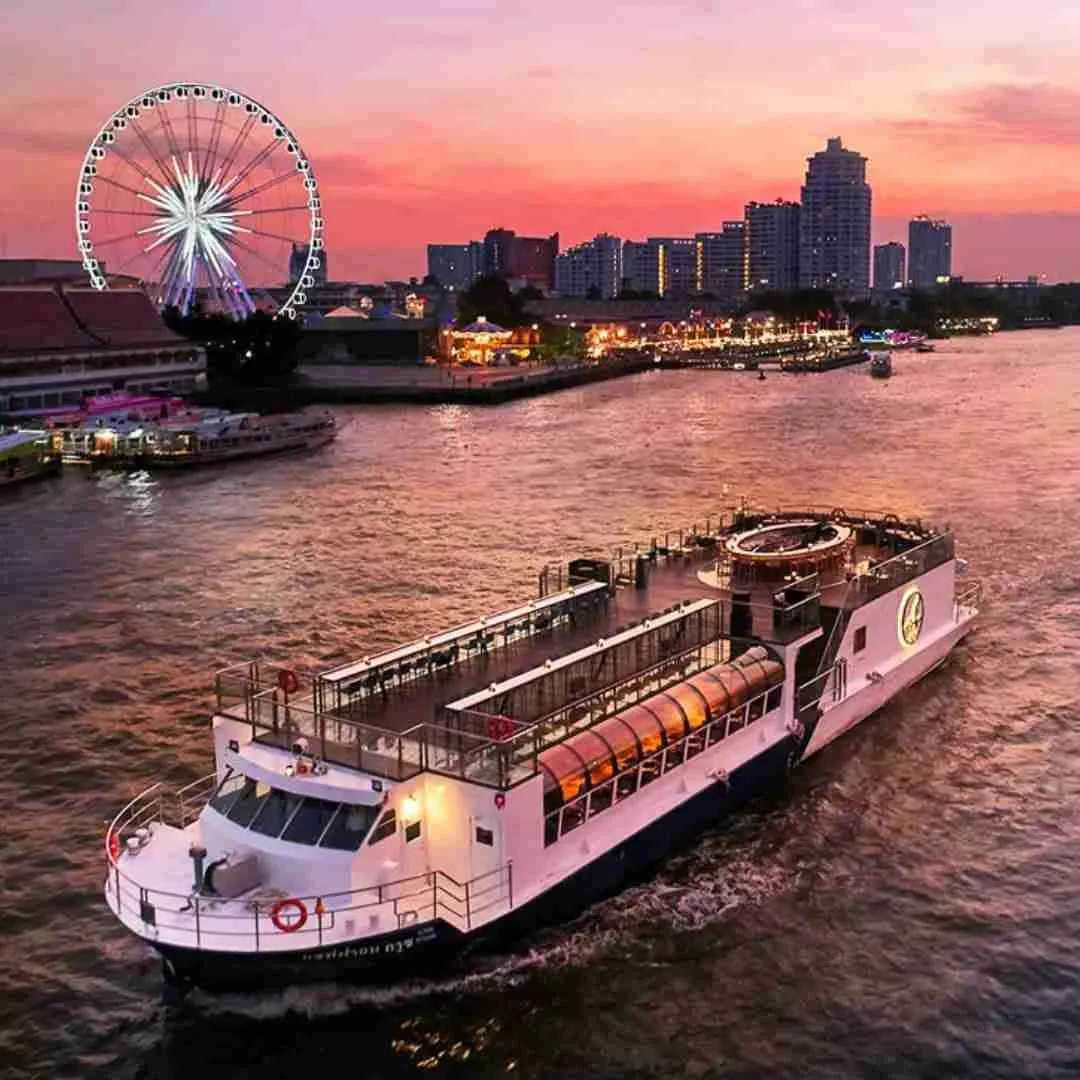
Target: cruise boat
402 810
192 436
224 436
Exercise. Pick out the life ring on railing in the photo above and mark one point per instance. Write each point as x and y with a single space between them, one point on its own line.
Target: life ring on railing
279 909
499 728
288 681
112 845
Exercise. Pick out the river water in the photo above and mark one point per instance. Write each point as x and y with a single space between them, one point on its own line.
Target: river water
908 905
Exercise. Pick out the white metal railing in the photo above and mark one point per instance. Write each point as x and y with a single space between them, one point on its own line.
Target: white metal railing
967 598
624 783
250 923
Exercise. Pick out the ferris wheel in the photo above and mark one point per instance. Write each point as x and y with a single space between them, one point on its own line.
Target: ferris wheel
203 195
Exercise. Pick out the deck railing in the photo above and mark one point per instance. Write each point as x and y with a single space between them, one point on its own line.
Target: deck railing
489 743
247 923
627 782
968 597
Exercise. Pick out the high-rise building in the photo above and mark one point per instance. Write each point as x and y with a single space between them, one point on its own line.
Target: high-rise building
834 223
721 264
643 267
929 252
595 267
664 265
772 245
529 258
455 266
888 266
298 258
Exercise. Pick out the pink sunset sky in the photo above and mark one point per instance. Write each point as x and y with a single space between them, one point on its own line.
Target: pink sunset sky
434 121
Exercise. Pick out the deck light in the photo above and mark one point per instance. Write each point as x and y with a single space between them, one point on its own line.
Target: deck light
410 808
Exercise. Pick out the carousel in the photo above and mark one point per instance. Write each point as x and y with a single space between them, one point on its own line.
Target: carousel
486 344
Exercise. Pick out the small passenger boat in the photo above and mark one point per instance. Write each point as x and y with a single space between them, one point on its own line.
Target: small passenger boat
227 436
881 365
28 455
452 793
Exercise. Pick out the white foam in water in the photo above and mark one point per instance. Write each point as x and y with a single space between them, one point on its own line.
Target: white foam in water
719 886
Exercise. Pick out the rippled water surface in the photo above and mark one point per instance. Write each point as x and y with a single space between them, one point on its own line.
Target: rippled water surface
907 906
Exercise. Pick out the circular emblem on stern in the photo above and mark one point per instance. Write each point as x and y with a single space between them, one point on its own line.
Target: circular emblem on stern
910 619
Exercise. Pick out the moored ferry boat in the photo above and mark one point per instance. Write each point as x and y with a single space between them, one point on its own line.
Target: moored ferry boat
454 792
27 455
192 436
226 436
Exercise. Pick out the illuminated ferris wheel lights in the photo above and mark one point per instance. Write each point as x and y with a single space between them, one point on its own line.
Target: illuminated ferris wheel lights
191 175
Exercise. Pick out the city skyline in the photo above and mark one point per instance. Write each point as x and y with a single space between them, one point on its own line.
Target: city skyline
625 130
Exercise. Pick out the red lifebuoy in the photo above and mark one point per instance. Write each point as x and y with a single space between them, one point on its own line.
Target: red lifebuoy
288 681
113 847
499 728
281 907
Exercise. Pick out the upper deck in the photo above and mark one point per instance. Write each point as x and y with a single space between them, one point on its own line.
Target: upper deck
482 699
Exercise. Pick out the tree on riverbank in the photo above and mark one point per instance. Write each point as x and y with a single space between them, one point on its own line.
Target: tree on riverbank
491 297
257 351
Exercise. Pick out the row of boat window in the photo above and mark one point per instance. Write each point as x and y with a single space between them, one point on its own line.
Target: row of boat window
590 771
301 819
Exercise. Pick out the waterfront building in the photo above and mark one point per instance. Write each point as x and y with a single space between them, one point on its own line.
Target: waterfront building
721 261
298 260
772 245
888 266
40 271
834 222
528 259
594 268
634 315
350 337
663 265
929 252
679 259
643 267
456 266
62 344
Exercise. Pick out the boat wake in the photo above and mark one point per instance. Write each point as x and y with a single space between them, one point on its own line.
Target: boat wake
696 891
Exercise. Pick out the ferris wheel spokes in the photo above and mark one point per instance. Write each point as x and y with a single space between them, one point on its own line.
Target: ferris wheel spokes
193 206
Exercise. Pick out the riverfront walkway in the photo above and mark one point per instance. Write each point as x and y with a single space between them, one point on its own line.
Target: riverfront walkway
478 386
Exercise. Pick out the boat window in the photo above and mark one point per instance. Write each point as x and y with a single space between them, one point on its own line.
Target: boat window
249 802
349 827
227 791
309 822
713 691
596 768
566 769
734 682
646 727
620 737
666 709
860 639
275 813
692 704
387 827
596 754
412 831
485 836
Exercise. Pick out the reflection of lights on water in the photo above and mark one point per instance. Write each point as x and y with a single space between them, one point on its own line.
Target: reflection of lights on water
428 1049
450 417
139 490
